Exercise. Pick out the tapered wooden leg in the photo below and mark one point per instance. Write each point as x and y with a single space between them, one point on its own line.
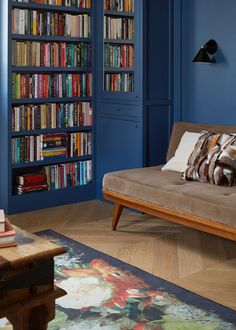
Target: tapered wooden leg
116 215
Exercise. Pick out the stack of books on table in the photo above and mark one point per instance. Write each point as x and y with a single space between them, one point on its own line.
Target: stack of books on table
30 182
7 232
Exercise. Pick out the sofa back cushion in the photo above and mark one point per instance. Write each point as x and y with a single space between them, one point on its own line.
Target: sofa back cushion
180 127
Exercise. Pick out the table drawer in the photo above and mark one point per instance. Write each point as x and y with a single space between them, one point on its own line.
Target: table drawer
119 109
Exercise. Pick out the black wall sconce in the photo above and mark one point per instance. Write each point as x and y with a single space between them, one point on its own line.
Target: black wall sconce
207 52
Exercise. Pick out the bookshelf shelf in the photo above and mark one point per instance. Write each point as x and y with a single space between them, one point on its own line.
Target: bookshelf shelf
52 100
114 69
119 41
118 13
49 69
61 160
63 9
59 196
53 130
49 38
79 188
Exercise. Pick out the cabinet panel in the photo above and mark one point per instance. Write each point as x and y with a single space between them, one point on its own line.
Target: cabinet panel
119 146
157 49
158 121
119 109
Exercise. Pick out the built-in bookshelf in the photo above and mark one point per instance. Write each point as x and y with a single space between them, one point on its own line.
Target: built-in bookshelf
50 104
119 45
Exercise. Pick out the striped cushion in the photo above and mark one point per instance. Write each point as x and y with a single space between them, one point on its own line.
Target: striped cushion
213 159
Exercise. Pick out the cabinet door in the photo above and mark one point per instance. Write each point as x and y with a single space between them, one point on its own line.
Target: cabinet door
119 146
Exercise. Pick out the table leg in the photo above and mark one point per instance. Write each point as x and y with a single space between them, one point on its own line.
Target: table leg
35 318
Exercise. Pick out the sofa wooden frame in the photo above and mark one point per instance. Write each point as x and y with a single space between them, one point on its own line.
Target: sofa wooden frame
206 225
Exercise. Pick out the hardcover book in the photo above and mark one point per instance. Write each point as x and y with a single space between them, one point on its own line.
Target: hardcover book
7 237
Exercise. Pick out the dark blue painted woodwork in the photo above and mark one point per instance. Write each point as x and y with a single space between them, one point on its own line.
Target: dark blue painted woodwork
13 203
63 9
157 50
119 146
158 78
40 200
158 123
5 168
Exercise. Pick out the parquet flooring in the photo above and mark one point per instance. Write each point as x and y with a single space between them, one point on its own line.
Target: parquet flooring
202 263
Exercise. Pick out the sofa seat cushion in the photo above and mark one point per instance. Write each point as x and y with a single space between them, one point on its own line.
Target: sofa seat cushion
167 189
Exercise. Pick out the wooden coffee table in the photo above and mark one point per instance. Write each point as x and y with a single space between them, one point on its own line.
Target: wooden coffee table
27 291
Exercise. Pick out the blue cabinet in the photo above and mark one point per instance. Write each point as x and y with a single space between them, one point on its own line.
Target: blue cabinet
119 145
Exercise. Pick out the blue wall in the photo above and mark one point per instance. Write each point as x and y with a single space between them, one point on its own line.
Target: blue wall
208 91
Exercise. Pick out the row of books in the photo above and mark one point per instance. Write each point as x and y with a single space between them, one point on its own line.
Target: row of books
32 148
27 53
119 5
119 82
118 28
69 3
46 86
54 177
43 23
118 56
7 232
51 115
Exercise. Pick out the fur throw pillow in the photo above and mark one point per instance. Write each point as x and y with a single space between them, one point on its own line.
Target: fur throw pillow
213 159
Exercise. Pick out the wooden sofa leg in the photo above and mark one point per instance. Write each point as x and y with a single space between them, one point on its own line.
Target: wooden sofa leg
116 215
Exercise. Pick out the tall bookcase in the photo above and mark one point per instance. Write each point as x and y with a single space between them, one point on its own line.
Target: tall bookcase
137 120
132 93
47 71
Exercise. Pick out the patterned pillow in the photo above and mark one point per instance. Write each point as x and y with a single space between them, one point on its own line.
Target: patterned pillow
213 159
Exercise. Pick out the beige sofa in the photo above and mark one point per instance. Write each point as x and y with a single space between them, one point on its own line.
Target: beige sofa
202 206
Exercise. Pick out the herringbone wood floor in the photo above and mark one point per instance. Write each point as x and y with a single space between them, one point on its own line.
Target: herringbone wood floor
202 263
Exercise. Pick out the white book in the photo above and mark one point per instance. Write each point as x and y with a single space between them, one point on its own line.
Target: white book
2 220
21 21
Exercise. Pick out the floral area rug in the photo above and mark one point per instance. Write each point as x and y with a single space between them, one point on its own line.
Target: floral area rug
108 294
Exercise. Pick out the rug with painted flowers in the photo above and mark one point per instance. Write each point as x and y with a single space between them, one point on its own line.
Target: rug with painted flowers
108 294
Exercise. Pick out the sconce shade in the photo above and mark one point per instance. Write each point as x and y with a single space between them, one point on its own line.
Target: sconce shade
206 53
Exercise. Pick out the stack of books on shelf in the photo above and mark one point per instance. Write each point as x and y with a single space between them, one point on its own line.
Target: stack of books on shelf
54 145
27 183
7 232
